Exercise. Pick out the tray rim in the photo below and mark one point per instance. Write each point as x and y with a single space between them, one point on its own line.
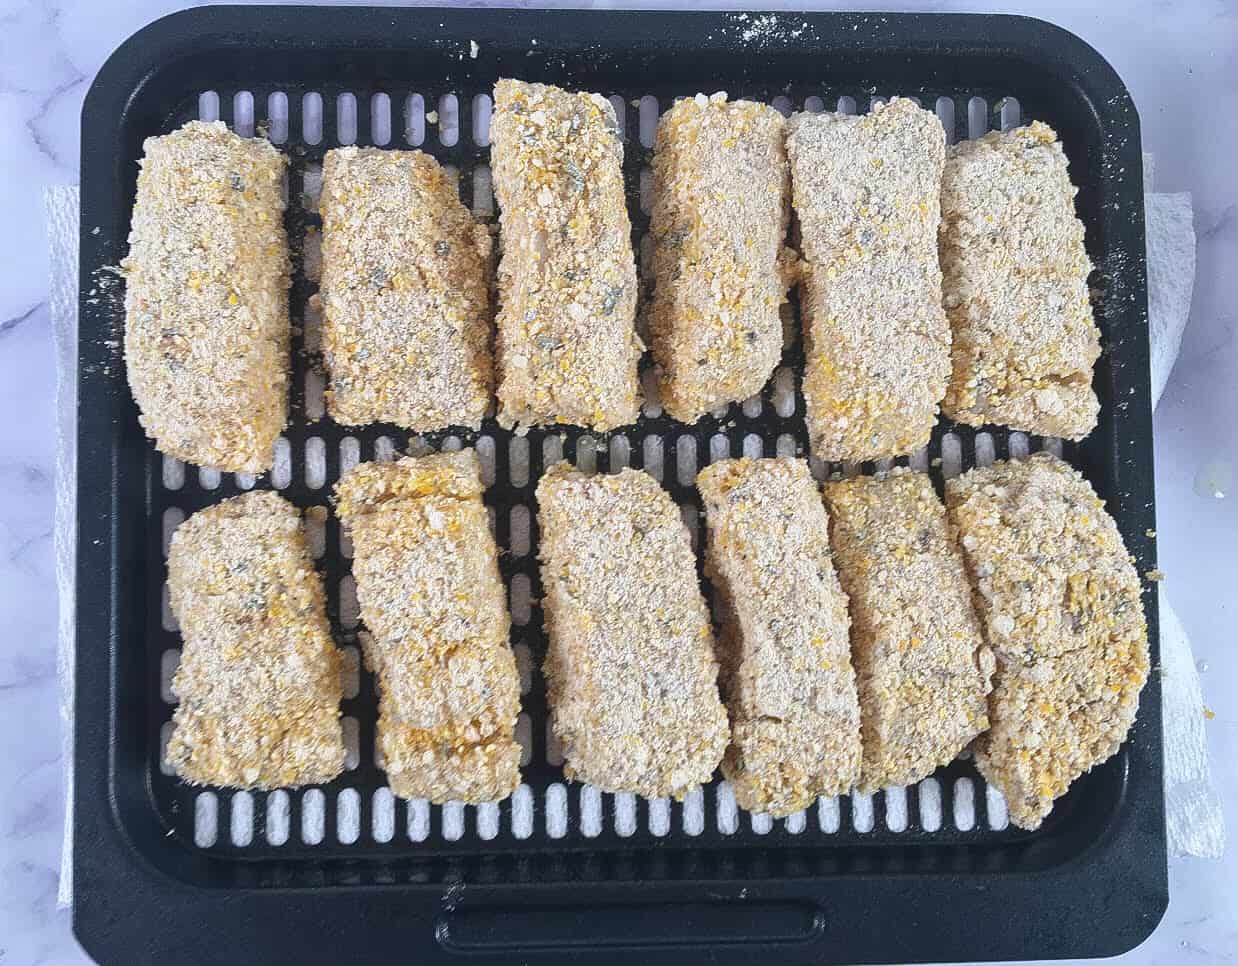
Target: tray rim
108 859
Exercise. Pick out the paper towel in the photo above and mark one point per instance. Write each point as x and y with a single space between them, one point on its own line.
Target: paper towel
62 210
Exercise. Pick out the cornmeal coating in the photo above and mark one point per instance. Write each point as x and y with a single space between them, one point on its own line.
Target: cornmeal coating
435 610
1060 602
631 677
206 298
922 666
786 673
566 347
259 677
406 303
877 344
1016 287
721 191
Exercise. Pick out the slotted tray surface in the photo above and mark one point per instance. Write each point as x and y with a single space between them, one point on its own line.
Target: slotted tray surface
356 814
353 831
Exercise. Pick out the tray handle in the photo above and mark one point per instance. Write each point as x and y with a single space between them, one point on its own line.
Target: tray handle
634 926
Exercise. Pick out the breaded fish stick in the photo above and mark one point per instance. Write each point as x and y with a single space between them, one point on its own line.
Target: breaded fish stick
1016 287
206 299
259 677
1060 601
433 603
921 663
720 210
630 672
406 304
787 677
877 344
566 347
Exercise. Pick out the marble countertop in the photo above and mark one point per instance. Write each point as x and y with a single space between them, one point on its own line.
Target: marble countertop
1180 62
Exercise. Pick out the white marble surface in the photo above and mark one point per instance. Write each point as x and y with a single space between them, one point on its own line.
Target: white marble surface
1180 60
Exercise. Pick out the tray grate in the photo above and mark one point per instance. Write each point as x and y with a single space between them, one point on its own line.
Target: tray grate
563 872
357 814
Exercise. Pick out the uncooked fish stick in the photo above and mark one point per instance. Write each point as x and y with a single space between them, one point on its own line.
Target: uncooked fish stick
259 677
433 604
720 210
630 672
1060 601
566 347
787 678
406 324
1016 287
206 299
921 664
877 344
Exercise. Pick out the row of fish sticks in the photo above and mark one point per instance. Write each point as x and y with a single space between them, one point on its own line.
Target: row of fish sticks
929 278
861 637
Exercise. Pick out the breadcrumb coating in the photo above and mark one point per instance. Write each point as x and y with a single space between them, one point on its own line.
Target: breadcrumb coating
786 674
206 298
406 302
922 666
866 192
566 345
720 210
259 677
1060 602
434 606
1016 287
630 672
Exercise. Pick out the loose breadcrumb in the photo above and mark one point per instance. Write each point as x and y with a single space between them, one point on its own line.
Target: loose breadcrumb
1060 601
786 674
436 614
259 677
406 303
720 213
206 300
630 673
566 344
921 663
877 344
1016 287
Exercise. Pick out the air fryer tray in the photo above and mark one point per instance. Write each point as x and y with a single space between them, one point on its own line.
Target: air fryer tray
164 872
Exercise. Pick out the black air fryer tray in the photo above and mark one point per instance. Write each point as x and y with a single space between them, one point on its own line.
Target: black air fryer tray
164 873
